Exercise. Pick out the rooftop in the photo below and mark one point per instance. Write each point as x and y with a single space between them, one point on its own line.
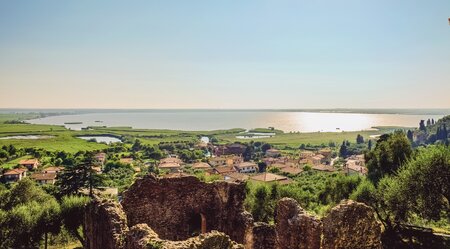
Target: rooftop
43 176
201 165
28 161
268 177
14 172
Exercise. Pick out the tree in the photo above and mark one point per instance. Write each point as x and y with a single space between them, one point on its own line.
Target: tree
421 186
72 210
422 125
4 153
369 145
28 214
389 153
262 210
137 146
343 150
265 147
359 139
410 135
78 176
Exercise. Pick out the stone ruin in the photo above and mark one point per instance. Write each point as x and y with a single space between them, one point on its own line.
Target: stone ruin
185 213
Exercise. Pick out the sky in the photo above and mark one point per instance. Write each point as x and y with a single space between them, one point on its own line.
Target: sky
225 54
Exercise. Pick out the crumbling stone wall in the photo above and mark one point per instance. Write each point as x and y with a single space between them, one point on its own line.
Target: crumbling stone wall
351 225
169 205
156 213
104 224
262 236
295 228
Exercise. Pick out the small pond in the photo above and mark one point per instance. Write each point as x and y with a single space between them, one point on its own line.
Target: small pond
26 137
102 139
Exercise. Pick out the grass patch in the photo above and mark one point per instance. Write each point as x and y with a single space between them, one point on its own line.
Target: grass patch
313 138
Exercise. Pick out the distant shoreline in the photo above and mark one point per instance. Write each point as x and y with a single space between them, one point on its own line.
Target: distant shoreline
54 112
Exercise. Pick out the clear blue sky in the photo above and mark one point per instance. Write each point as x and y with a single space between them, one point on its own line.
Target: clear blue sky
225 54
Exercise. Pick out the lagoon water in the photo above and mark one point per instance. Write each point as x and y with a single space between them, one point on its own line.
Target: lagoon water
212 120
101 139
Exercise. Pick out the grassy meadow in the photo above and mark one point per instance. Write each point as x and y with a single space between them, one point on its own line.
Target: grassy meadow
66 140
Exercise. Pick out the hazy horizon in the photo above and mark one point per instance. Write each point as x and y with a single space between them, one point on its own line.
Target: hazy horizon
224 55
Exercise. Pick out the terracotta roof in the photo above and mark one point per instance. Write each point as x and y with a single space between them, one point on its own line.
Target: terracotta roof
43 176
323 167
218 159
246 164
201 165
269 177
14 172
237 176
169 165
291 170
352 165
28 161
171 160
318 156
224 169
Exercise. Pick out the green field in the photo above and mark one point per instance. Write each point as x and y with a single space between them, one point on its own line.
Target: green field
66 140
313 138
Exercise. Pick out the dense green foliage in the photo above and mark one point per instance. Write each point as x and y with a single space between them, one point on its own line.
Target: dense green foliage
421 187
389 153
28 214
315 191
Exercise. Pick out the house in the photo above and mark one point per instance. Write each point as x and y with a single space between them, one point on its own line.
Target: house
201 166
217 161
225 160
236 177
30 164
305 154
53 169
273 153
323 167
271 178
14 175
316 160
351 168
44 178
171 160
233 160
236 149
291 170
222 170
246 167
326 153
231 149
100 158
126 160
355 165
171 166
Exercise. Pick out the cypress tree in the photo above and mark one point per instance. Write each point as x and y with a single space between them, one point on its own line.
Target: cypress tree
422 125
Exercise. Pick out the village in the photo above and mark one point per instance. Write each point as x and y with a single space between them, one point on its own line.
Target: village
222 162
